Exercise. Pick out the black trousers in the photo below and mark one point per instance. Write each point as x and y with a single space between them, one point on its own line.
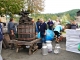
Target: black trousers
57 34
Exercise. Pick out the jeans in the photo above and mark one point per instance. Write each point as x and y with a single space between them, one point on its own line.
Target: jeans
43 40
0 50
0 47
1 57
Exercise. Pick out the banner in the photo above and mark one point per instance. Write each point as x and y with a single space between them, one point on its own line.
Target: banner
72 40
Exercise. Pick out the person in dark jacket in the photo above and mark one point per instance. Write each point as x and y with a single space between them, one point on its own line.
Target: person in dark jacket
74 25
1 38
50 24
38 25
43 28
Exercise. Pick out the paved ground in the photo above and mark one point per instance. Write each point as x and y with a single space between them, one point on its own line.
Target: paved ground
23 55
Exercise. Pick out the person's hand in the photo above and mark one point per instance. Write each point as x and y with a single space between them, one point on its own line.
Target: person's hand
12 33
50 24
45 33
36 33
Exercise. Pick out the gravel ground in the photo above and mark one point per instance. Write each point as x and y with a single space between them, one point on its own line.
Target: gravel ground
23 55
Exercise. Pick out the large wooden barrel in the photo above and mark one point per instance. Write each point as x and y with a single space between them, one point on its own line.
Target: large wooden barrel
26 31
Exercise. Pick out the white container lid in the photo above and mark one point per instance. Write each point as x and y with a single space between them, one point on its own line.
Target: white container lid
48 41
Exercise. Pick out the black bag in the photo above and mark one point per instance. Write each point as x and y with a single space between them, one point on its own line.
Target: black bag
39 45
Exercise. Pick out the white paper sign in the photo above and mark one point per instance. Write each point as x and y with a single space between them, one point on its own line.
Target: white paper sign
72 40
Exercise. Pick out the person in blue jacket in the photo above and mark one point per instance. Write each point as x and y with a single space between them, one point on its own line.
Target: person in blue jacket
57 31
1 38
12 31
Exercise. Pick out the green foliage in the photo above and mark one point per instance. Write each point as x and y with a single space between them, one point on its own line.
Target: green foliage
65 16
44 16
11 6
71 13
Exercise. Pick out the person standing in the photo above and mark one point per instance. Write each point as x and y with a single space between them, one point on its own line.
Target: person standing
50 24
1 38
43 28
74 25
11 31
57 22
38 25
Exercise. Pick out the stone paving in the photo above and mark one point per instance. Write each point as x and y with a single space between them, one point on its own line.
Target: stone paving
23 55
